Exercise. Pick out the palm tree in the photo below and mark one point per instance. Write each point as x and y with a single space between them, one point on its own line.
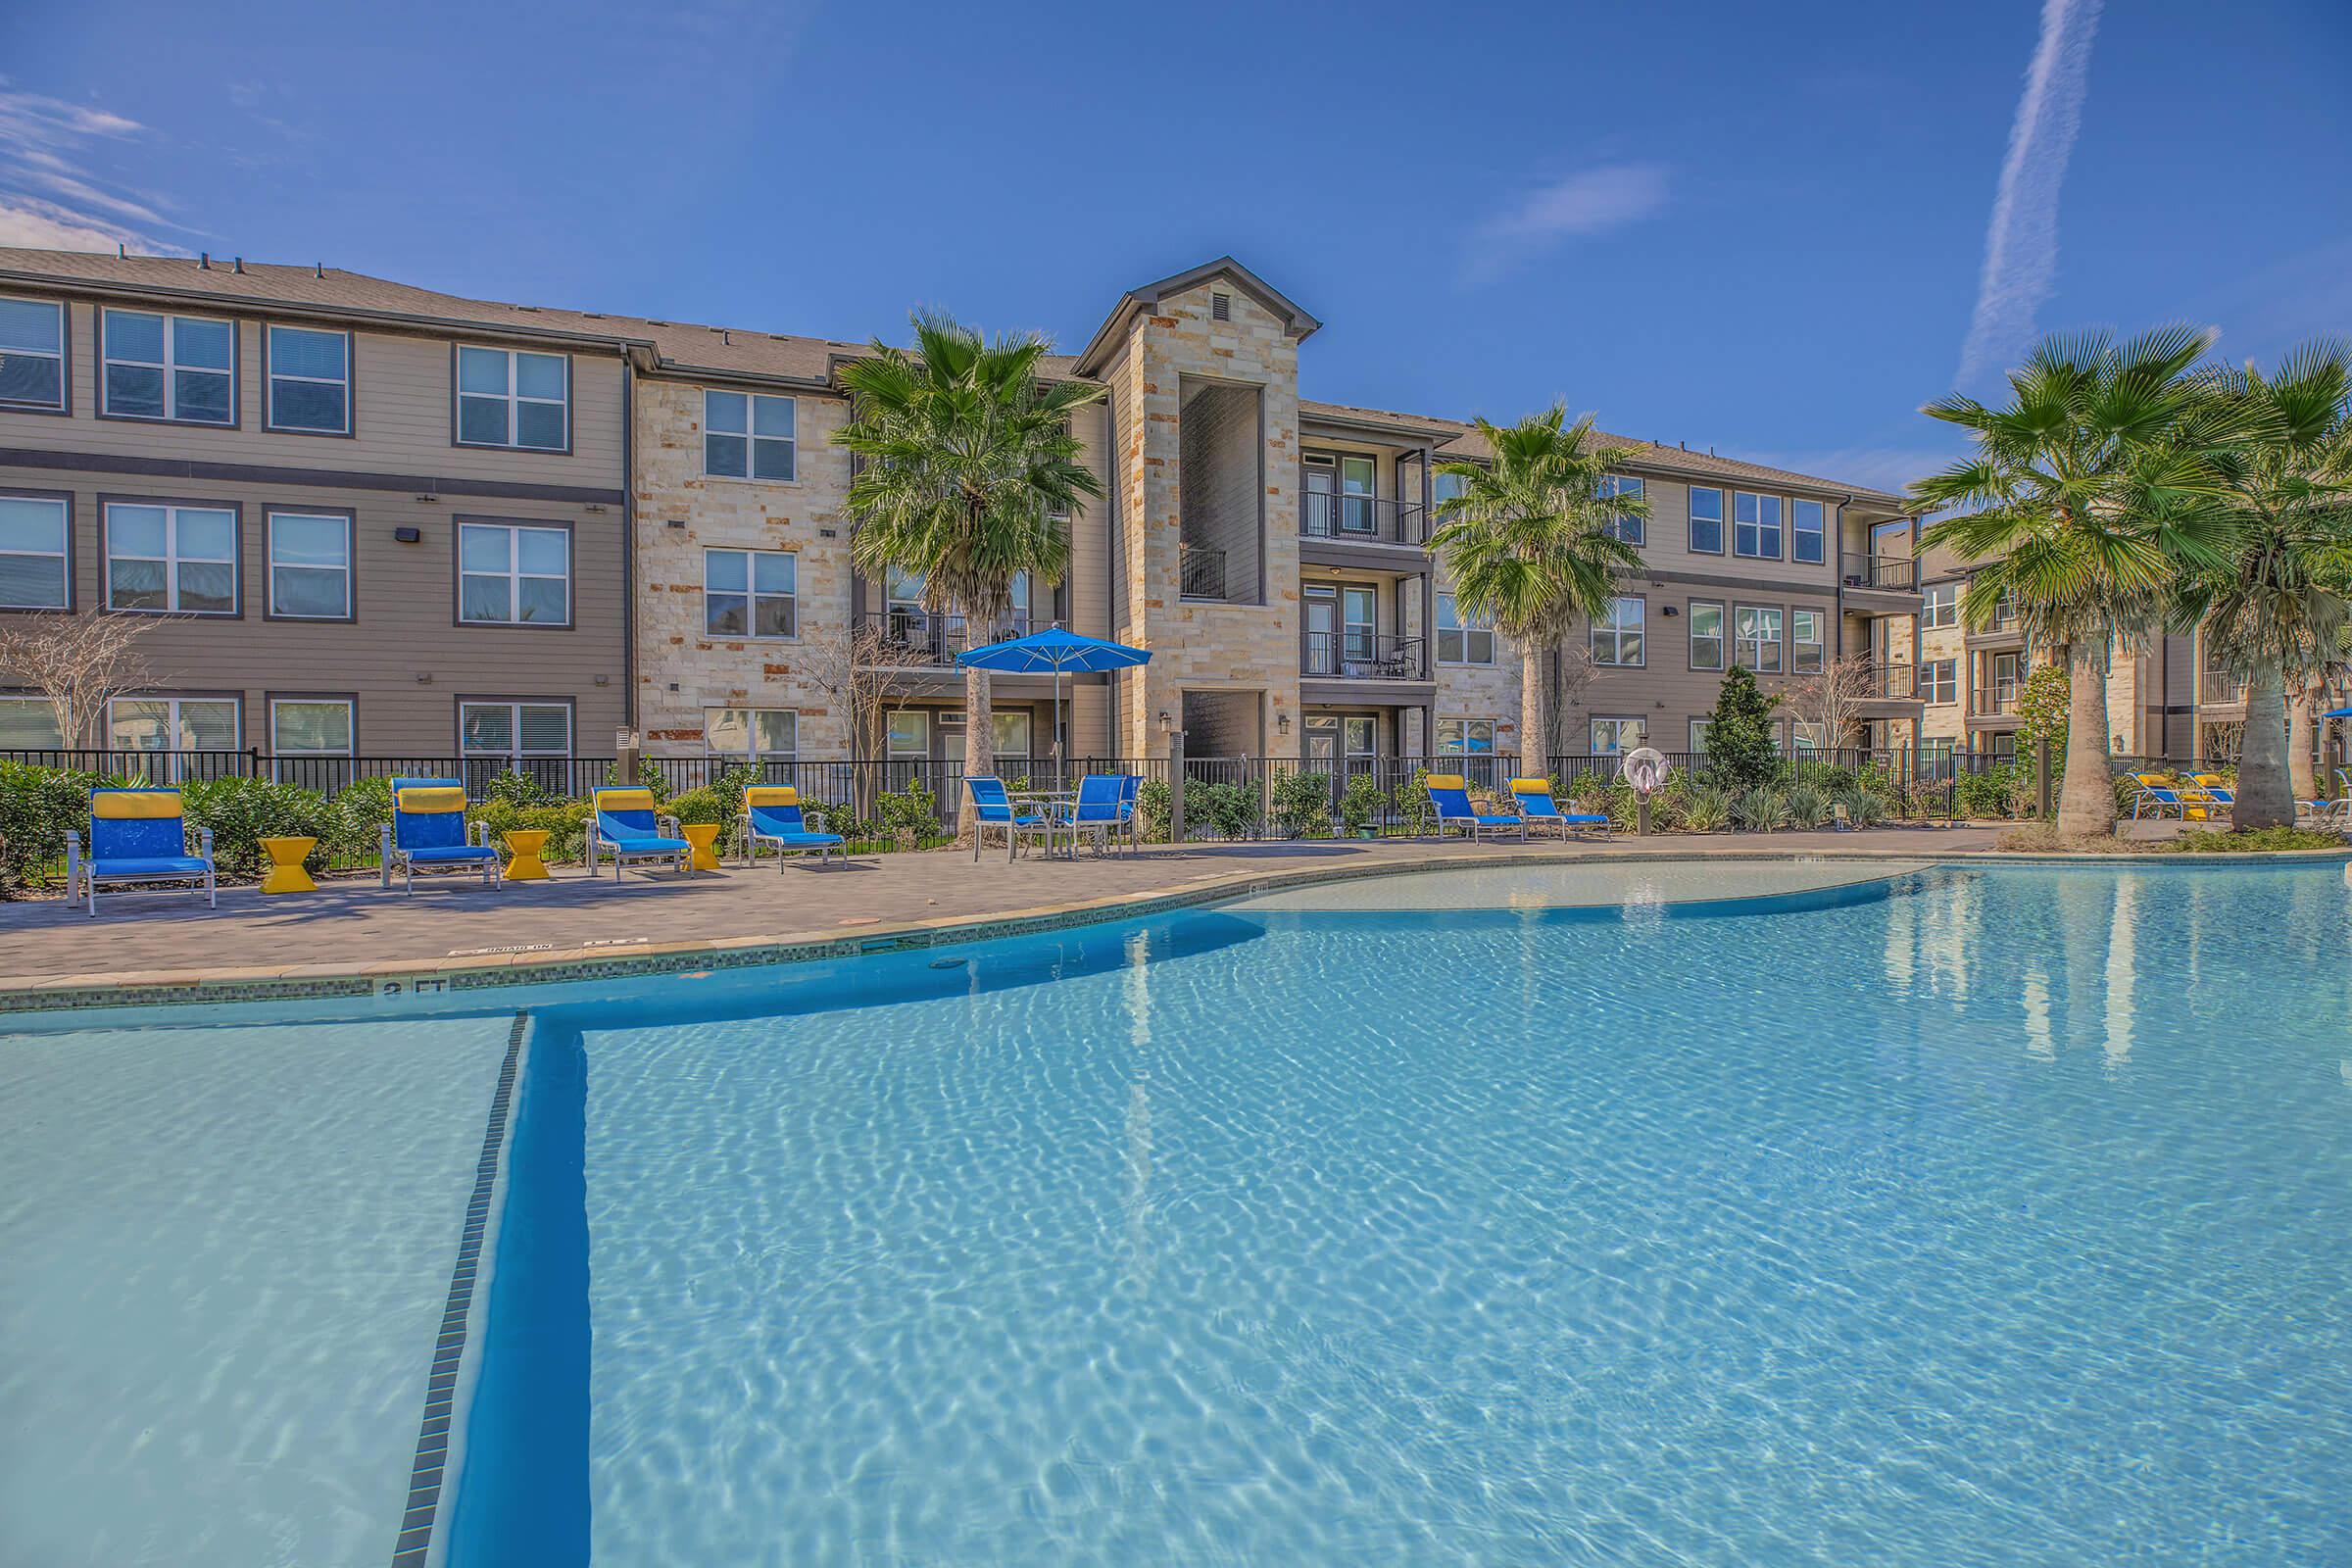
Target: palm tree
968 474
2275 612
2090 492
1531 542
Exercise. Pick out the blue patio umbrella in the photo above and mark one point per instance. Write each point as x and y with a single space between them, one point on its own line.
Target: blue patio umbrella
2337 712
1060 652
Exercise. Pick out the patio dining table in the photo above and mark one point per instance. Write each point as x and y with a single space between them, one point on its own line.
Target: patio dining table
1054 806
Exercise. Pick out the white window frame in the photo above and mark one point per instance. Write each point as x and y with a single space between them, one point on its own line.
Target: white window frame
515 753
62 554
1462 747
751 730
1756 527
1939 605
172 559
14 700
1618 724
511 398
1698 736
514 576
1464 632
1818 642
270 558
1633 530
1719 521
169 366
172 708
1723 640
1743 643
56 355
751 596
1798 531
1948 685
922 718
751 438
1804 736
350 726
269 418
1614 630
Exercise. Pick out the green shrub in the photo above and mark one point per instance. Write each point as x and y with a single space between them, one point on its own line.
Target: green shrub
1992 793
1741 754
1230 810
1762 809
1154 801
565 822
2255 840
521 789
1362 803
1302 806
649 776
1412 803
703 804
1807 806
38 808
908 816
1864 808
242 811
1704 809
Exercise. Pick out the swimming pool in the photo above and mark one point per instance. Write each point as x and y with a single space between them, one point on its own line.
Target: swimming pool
1969 1217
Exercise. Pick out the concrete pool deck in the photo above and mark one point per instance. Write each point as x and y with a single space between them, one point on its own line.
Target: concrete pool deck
352 939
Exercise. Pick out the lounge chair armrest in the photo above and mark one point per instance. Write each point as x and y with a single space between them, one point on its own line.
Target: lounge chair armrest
204 845
383 842
72 861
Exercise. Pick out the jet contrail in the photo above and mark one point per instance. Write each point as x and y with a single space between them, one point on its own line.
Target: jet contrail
2021 244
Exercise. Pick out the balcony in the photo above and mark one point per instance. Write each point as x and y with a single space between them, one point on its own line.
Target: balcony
1361 656
1362 519
907 638
1201 572
2004 629
1891 683
1881 584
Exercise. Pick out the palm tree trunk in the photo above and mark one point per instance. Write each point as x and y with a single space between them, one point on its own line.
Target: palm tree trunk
2262 797
1533 760
2087 797
979 742
2302 725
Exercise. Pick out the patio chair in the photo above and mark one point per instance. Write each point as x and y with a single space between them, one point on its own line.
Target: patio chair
1536 804
138 835
1099 811
428 829
624 825
993 809
1131 797
1449 797
772 815
2154 800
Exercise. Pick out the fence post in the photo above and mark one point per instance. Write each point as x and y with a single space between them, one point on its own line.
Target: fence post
1176 786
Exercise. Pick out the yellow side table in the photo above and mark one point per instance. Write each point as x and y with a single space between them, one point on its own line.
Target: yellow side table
702 835
524 847
285 874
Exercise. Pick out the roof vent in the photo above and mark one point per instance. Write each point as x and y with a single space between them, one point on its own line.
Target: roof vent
239 264
318 269
1220 307
204 261
121 252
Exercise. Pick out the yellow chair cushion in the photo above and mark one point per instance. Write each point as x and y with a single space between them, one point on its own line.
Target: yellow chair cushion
2148 778
1445 781
624 800
770 795
124 806
1529 786
430 800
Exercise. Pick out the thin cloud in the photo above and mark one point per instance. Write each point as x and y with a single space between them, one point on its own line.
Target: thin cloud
49 197
1591 202
2021 243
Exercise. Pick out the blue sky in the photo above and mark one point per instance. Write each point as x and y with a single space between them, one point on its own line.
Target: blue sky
1761 229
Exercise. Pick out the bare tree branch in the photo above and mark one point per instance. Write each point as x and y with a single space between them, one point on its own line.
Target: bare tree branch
1831 703
80 664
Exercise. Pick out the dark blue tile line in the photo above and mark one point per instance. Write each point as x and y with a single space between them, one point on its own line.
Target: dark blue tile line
449 1348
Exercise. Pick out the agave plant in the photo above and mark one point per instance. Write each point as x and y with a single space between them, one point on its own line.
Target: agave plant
1704 809
1807 806
1863 806
1761 809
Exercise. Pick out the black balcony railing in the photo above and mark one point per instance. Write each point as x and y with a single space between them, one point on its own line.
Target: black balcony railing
1895 573
1892 683
1373 519
2000 699
1363 656
902 637
1201 572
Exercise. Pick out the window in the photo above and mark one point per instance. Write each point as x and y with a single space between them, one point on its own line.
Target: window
310 380
747 436
906 737
310 726
1613 737
1759 635
178 367
748 593
29 724
1940 604
1698 736
180 560
509 398
1804 737
173 724
1468 737
1444 487
1617 632
32 353
1706 635
310 566
514 730
33 541
1939 680
510 574
1806 531
1756 525
2008 677
752 733
1806 654
1706 521
1628 529
1460 640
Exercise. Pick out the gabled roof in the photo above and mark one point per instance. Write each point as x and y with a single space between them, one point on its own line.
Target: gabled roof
1296 321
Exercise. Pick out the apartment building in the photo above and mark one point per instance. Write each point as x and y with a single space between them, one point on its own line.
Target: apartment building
1271 551
367 519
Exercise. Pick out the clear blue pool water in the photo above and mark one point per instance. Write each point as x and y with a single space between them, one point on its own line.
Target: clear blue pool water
1993 1218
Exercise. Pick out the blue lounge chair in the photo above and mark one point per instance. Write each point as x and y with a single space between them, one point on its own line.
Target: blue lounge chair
1450 794
1099 811
138 835
993 809
1533 796
624 827
2154 800
1131 799
428 829
772 815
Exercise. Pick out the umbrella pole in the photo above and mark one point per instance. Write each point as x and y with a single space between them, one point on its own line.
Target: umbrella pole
1060 761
